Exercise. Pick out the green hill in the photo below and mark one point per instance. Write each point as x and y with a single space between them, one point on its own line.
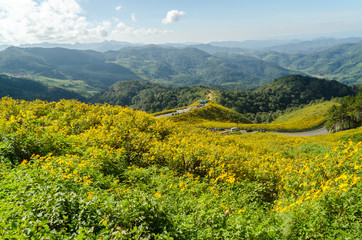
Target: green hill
212 112
191 66
173 66
262 105
64 64
150 97
282 93
306 118
19 88
342 62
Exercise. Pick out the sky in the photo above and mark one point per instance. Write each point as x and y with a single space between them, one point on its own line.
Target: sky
175 21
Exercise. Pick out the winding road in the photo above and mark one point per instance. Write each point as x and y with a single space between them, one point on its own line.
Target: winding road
321 131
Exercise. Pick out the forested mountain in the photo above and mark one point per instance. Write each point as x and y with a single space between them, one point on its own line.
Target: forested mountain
60 63
150 97
191 66
343 62
19 88
181 66
263 103
312 46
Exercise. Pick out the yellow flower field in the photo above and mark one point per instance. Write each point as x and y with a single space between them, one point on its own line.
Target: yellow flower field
72 170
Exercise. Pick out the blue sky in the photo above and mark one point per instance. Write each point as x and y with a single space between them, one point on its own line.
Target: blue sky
161 21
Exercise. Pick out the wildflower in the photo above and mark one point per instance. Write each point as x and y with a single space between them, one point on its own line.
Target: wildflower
23 163
241 211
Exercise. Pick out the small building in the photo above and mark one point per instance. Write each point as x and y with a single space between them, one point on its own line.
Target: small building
201 102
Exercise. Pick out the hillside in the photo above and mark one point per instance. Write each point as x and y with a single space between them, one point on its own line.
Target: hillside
310 117
150 97
191 66
313 46
179 67
19 88
75 171
347 115
64 64
212 112
282 93
342 62
261 105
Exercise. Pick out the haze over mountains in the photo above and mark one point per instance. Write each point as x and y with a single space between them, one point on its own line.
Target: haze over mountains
293 45
228 65
173 66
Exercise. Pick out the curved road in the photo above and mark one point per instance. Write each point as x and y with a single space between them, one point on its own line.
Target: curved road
180 111
321 131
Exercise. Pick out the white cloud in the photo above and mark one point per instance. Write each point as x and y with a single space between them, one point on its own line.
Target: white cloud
133 17
118 7
58 21
121 25
173 16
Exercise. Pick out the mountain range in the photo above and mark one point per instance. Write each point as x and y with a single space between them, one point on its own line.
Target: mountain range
292 45
226 65
172 66
342 62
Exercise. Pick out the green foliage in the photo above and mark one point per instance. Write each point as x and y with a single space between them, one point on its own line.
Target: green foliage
348 114
150 97
81 171
263 104
342 62
309 117
211 112
305 118
26 89
65 64
191 66
312 110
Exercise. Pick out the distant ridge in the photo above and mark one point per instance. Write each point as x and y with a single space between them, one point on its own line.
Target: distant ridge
60 63
20 88
342 62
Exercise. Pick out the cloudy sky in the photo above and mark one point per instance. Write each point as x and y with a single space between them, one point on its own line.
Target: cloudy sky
161 21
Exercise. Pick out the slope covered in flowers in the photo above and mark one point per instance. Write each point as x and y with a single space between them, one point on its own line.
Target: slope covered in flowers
75 171
211 112
215 116
307 118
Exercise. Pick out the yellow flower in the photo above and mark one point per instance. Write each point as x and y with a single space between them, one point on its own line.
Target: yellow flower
157 195
23 163
241 211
